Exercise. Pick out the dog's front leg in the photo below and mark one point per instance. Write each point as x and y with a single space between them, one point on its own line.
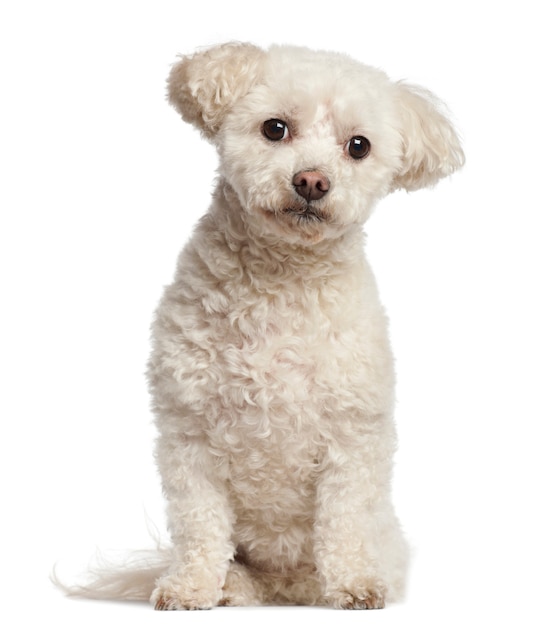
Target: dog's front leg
200 523
359 549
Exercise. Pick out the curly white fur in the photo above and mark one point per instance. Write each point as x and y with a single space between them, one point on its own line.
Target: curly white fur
271 371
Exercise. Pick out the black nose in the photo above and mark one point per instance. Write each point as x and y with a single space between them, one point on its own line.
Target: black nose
311 185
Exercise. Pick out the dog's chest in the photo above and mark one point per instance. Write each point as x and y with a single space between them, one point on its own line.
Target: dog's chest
280 346
270 428
284 362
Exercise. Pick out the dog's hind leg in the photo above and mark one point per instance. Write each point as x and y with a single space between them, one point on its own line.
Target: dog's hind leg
243 587
247 586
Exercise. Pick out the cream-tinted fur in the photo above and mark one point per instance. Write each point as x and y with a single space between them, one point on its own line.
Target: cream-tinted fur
271 370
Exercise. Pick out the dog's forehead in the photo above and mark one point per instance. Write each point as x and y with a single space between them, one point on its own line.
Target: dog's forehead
325 87
322 113
319 71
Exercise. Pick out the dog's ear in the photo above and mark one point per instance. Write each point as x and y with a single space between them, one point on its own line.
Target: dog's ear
431 148
203 87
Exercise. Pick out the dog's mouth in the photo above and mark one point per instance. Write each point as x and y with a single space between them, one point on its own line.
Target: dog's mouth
301 221
306 214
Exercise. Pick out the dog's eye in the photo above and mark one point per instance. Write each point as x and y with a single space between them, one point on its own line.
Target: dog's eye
358 147
275 130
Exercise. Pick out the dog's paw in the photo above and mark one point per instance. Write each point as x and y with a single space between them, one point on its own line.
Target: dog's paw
194 602
369 596
172 594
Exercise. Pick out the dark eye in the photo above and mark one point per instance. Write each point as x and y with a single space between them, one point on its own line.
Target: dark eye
275 130
358 147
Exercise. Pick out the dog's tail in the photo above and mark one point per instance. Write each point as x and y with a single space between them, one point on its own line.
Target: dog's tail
134 579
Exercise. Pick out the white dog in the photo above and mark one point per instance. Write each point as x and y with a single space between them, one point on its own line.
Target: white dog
271 371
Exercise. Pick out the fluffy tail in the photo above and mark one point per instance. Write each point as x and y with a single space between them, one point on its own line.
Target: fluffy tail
133 580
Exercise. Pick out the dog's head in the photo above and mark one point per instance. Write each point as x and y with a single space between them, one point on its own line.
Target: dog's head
309 141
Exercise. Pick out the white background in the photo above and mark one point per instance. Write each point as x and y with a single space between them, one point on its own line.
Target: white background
100 182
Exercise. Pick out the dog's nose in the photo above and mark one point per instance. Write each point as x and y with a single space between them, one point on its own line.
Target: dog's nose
311 185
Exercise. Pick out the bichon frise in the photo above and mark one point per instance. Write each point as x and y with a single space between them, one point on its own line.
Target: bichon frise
271 371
